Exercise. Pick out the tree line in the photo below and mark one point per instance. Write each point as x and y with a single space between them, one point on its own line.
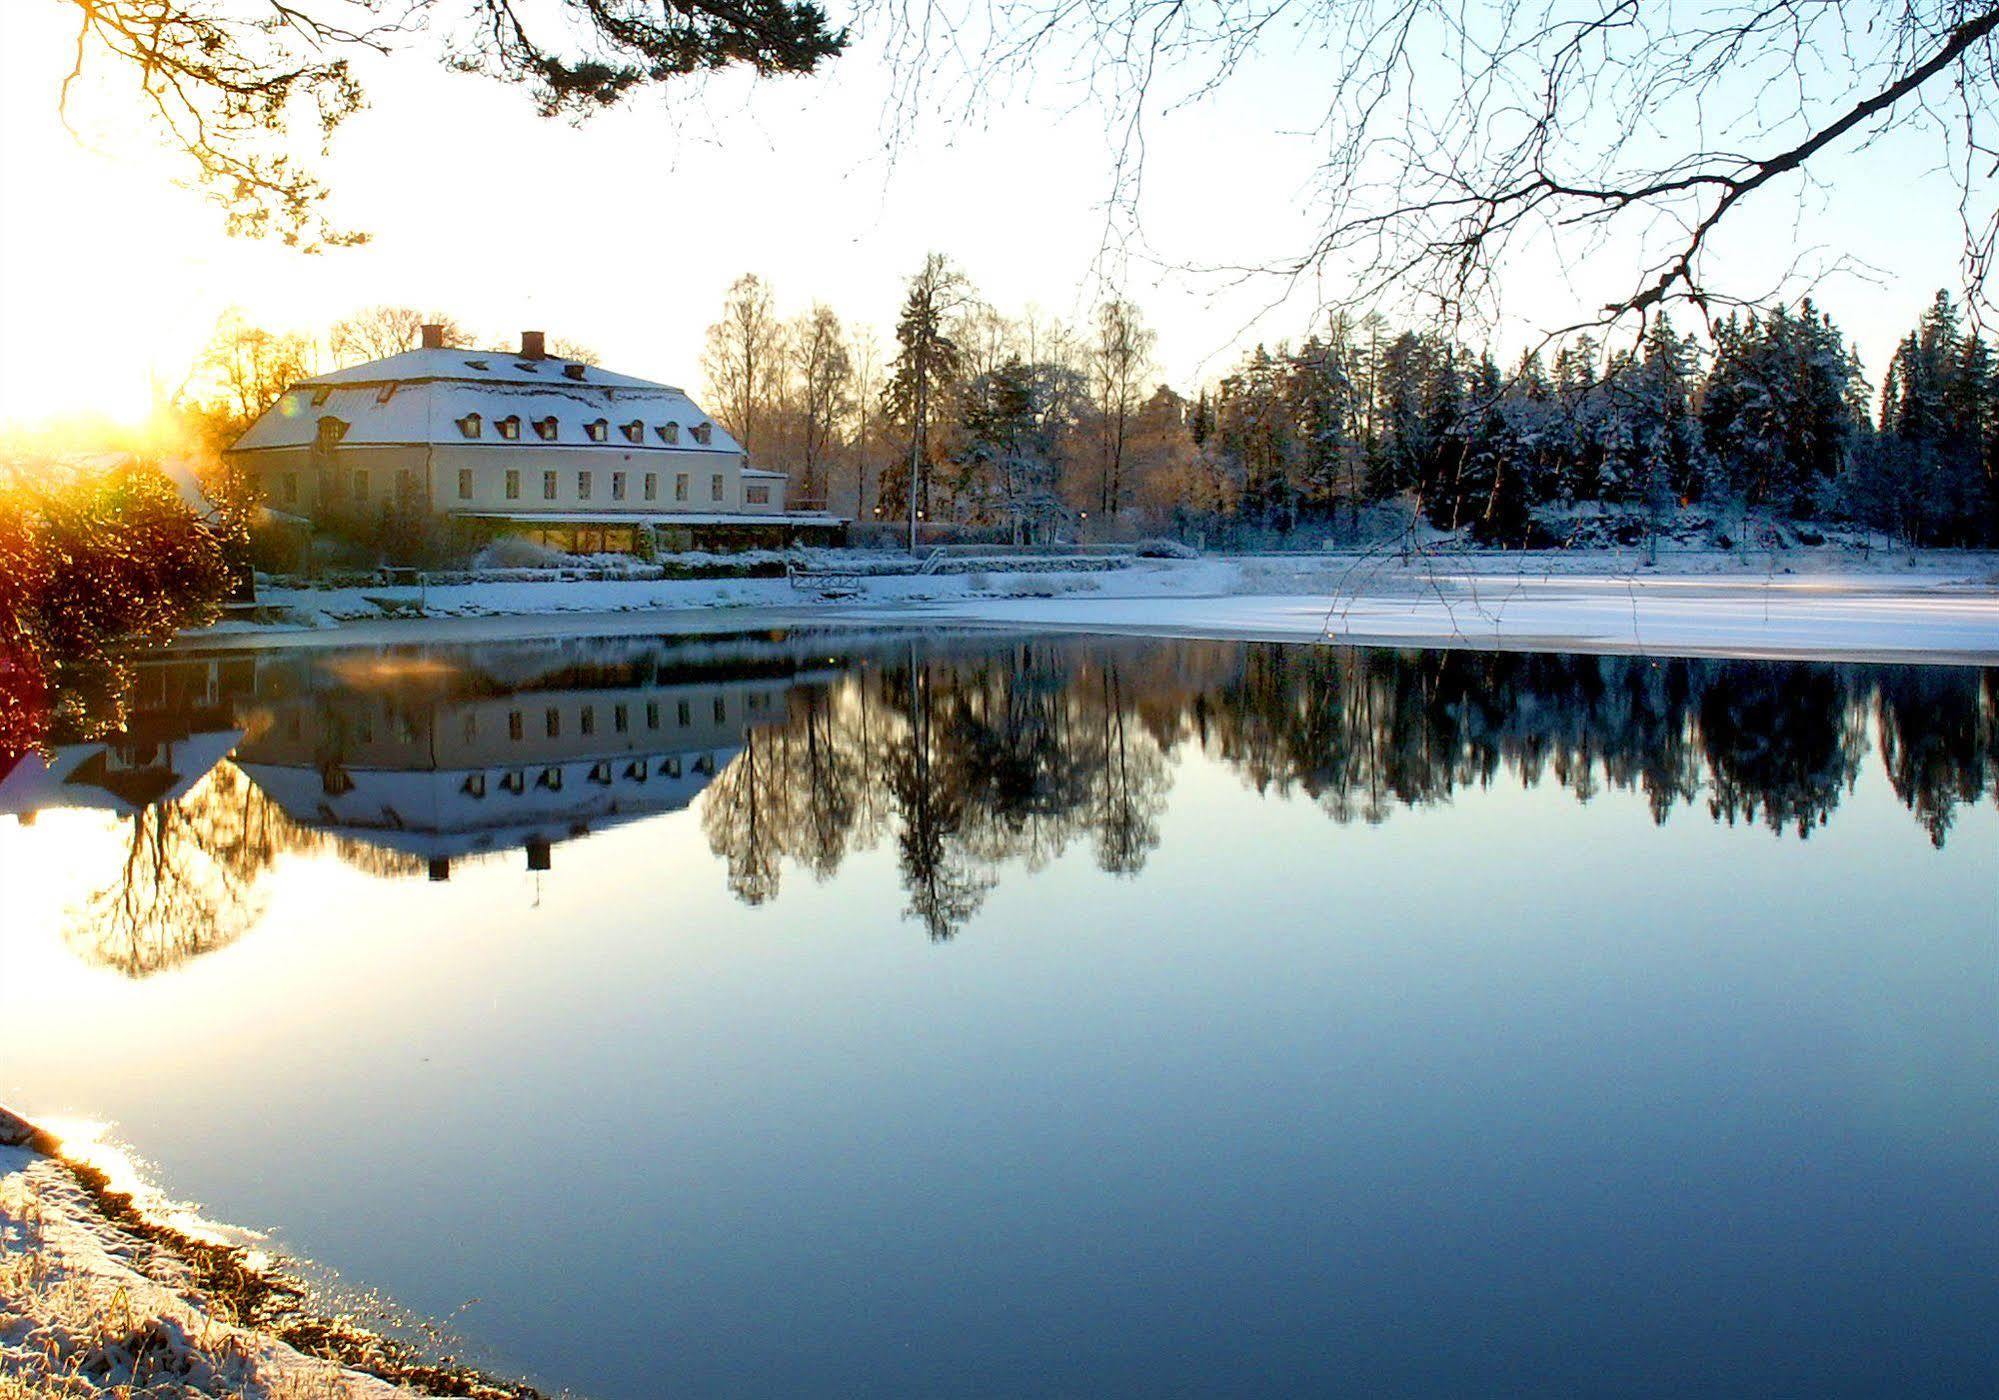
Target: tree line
1029 427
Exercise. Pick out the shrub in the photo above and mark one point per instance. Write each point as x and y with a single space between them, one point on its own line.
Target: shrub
518 552
90 562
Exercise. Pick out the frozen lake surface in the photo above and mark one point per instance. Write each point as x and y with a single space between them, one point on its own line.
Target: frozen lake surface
980 1014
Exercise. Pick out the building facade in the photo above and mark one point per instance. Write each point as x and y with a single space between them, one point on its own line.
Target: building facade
574 455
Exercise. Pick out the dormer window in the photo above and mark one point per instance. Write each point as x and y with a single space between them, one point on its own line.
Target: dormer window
469 425
385 393
574 371
331 430
669 432
478 364
704 433
525 368
509 427
545 428
599 431
321 395
635 431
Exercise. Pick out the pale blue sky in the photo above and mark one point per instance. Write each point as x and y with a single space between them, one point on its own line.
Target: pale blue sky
625 232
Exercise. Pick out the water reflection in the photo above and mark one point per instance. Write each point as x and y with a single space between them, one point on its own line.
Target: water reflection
968 754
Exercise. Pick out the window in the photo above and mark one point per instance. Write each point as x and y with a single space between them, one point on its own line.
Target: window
721 711
668 432
330 430
715 487
582 486
471 725
756 495
360 485
469 425
621 718
546 428
652 714
589 718
513 484
683 714
465 483
680 486
405 484
509 427
635 431
599 430
548 486
652 486
514 725
552 722
617 486
704 433
289 488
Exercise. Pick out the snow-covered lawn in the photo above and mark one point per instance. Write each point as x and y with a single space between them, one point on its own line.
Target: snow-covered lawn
1806 603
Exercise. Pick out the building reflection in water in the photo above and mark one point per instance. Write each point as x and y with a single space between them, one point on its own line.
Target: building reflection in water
969 754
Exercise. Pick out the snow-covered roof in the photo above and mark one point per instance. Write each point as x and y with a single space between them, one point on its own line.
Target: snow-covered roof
80 775
478 367
422 396
449 812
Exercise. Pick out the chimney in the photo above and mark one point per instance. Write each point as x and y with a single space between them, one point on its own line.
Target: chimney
538 853
440 869
532 347
433 337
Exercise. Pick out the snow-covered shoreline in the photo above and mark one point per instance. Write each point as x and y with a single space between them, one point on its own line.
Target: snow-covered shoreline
1825 604
108 1292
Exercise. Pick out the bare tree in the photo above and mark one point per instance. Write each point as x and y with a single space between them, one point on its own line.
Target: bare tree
247 367
824 373
223 80
745 360
377 332
1120 361
1454 134
866 358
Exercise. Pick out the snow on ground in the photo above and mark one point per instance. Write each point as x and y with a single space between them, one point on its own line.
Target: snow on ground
84 1310
1830 603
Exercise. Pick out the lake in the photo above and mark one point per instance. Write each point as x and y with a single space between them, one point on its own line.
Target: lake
824 1013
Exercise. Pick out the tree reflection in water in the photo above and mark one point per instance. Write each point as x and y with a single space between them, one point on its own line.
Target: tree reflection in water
972 755
1010 755
190 879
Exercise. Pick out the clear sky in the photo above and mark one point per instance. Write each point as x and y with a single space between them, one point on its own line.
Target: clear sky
624 233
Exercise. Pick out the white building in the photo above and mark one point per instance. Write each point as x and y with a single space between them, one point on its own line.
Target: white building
569 453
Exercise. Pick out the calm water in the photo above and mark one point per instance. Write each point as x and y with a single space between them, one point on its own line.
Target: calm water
976 1015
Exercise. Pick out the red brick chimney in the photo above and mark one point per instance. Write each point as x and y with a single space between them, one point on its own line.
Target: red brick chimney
433 337
532 347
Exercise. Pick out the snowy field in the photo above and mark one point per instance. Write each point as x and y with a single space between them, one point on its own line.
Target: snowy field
1941 606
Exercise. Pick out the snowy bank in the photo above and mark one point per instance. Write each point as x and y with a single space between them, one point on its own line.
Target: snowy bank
99 1298
1831 603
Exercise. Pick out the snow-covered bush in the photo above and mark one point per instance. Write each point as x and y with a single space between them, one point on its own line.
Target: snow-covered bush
518 552
1165 549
